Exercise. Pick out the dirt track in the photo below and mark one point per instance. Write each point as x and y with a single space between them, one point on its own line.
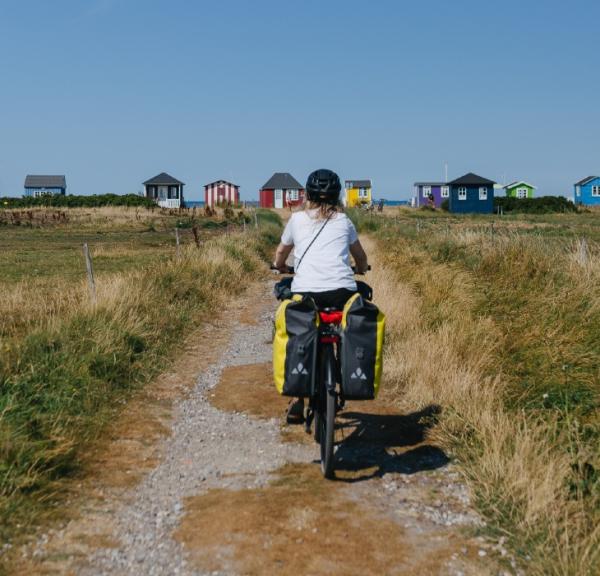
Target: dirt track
201 477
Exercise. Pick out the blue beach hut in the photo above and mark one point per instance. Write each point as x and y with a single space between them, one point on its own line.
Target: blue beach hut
36 185
471 194
587 191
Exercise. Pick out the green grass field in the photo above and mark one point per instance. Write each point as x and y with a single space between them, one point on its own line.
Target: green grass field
120 239
33 253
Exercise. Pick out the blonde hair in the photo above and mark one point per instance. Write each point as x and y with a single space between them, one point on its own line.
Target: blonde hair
323 211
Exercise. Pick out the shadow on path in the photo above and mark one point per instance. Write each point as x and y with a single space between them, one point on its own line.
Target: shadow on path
379 444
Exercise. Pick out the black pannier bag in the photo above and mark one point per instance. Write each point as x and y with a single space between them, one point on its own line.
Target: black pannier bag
361 349
295 347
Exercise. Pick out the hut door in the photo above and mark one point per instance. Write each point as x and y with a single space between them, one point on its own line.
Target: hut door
278 198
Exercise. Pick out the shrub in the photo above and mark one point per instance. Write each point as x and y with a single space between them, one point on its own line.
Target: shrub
541 205
363 221
71 201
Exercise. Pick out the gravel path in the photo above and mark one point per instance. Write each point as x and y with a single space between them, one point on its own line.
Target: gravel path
208 448
410 483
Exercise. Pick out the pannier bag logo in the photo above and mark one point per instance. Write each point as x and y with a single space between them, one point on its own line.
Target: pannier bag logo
358 374
300 369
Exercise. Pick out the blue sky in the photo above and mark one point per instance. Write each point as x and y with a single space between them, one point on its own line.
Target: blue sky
112 92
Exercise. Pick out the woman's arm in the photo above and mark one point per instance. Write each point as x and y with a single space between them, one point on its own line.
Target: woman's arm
281 256
360 257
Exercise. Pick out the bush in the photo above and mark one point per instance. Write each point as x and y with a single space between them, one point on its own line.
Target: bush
363 221
445 205
94 201
266 216
541 205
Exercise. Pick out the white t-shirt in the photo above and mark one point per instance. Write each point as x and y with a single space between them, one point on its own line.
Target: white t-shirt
326 265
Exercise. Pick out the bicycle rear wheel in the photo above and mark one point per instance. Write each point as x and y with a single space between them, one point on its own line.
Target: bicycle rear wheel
326 412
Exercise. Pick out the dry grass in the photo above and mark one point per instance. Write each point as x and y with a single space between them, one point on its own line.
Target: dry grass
106 216
484 327
67 362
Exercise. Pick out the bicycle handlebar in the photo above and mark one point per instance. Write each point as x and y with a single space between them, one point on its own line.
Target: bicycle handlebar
290 270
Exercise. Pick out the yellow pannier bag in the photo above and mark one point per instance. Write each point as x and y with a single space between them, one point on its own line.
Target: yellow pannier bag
361 349
295 347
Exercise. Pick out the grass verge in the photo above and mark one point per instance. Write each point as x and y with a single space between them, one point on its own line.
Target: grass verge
501 329
67 369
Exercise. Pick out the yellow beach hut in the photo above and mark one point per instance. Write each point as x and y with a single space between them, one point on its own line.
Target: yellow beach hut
358 192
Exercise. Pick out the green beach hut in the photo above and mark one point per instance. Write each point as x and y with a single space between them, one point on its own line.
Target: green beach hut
519 190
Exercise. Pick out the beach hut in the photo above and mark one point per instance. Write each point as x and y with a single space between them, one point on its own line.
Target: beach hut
357 192
519 189
471 194
430 193
282 190
587 191
38 185
165 190
221 193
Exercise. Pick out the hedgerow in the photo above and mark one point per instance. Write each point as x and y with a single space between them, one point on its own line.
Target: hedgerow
71 201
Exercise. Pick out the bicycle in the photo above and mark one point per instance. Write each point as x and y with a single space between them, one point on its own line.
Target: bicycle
328 396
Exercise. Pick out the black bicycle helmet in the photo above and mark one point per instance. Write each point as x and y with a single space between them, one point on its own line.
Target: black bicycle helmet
323 186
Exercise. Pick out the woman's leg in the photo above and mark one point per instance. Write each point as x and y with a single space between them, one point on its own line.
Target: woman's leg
295 412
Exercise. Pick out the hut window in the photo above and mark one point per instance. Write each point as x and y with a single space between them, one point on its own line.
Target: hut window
483 193
595 190
173 192
426 191
462 193
521 192
363 193
293 195
445 191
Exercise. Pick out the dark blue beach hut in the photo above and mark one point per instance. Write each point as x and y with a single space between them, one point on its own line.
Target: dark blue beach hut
471 194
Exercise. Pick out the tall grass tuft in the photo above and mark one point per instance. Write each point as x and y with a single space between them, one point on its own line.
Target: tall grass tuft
502 331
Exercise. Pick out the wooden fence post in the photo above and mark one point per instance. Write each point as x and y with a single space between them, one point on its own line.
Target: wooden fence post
255 218
583 252
196 236
178 247
90 272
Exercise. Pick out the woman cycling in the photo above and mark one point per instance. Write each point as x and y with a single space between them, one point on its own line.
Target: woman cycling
323 238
